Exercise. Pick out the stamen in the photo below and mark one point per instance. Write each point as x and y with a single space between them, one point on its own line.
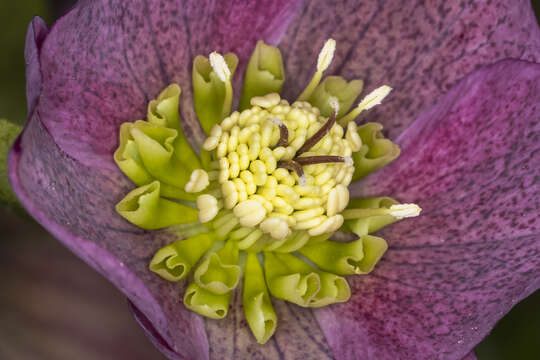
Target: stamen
221 69
198 181
296 167
318 135
310 160
323 61
283 132
373 98
402 211
326 55
220 66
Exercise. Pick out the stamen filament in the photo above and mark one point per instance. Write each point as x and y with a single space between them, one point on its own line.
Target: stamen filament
283 133
325 58
399 211
310 160
292 165
309 143
373 98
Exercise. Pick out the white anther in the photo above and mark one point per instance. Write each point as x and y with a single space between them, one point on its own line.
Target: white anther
375 97
276 227
198 181
250 213
223 175
338 198
354 140
223 163
208 207
266 101
216 131
402 211
329 225
210 143
334 104
305 215
311 223
326 55
220 66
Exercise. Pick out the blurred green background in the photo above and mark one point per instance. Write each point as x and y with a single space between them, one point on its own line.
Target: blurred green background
79 315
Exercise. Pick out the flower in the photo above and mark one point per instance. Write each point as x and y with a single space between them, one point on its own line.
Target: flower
469 160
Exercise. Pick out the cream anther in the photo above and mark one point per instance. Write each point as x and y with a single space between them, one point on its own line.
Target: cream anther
220 66
250 213
326 55
402 211
375 97
276 227
198 181
208 207
267 101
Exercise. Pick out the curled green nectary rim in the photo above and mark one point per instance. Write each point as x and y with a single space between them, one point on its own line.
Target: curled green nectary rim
145 208
219 272
291 279
376 150
336 87
210 92
347 258
205 302
258 308
174 261
265 73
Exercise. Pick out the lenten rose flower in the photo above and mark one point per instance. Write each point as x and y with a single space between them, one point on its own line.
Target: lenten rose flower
469 157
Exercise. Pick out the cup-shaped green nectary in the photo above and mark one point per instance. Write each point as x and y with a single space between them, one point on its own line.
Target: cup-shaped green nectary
346 258
265 73
258 309
291 279
369 222
219 273
128 159
164 111
334 289
205 302
145 208
337 87
209 90
376 150
174 261
337 257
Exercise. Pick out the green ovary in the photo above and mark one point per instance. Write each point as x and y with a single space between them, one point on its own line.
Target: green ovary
261 200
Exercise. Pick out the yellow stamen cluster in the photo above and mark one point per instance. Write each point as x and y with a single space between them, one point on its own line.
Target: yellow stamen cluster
245 176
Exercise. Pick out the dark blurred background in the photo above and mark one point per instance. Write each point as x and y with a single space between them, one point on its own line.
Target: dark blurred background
71 312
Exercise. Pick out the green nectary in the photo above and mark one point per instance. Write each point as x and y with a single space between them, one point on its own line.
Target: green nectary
258 205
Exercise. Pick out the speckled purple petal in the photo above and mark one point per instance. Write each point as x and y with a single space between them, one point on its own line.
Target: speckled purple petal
419 48
104 60
472 163
76 204
37 31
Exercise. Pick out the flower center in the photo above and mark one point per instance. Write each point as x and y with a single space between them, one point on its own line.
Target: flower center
281 168
267 191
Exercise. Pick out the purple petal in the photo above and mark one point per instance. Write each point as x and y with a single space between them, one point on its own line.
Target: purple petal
76 204
472 164
103 61
419 49
37 31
